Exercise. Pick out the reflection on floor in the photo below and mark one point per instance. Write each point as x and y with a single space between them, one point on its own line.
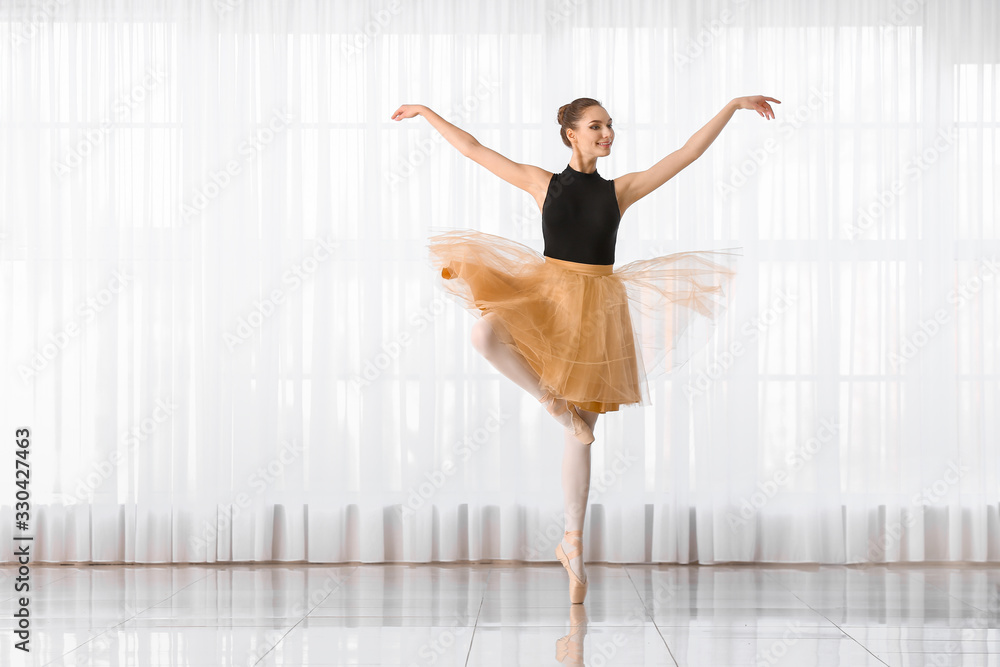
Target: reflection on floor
506 614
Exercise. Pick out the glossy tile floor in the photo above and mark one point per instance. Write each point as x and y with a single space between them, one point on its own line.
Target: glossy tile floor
505 614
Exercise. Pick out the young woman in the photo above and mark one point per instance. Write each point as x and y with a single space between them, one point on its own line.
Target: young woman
560 324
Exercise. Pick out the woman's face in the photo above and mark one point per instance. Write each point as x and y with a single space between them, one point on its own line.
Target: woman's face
595 133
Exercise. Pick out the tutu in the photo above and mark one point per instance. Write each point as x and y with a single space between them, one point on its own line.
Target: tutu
593 334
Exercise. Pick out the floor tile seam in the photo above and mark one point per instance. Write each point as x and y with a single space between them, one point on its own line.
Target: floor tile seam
306 615
123 621
475 625
649 618
829 620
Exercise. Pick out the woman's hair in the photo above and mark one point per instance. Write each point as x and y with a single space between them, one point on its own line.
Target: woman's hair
571 114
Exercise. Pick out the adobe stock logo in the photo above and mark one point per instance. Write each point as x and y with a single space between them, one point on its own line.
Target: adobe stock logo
768 489
60 340
463 449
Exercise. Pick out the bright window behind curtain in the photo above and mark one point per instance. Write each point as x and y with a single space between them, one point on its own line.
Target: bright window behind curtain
222 329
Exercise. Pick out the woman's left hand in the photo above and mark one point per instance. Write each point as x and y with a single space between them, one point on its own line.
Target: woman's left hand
758 103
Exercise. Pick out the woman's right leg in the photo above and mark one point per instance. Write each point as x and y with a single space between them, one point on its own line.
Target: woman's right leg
512 364
503 358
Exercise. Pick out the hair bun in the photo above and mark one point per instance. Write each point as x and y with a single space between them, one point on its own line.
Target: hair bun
569 115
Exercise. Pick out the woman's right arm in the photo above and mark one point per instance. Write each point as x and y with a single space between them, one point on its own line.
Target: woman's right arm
529 178
456 136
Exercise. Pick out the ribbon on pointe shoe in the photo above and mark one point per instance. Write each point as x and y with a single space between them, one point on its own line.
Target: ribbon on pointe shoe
577 587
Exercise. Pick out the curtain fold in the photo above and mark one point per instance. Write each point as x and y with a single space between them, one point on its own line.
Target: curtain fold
223 332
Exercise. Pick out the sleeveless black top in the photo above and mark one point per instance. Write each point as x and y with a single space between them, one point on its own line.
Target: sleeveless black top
580 217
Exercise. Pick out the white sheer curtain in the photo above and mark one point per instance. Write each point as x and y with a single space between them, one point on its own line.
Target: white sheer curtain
221 329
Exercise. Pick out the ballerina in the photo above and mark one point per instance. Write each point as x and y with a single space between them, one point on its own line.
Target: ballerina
561 324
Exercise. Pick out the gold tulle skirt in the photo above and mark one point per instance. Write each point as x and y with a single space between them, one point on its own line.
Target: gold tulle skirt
593 334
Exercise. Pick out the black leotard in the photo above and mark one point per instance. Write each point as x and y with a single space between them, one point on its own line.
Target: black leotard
580 217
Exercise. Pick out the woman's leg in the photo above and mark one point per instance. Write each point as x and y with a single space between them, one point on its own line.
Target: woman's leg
576 455
576 487
511 363
503 358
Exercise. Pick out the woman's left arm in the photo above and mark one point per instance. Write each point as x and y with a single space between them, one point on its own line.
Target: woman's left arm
634 186
703 138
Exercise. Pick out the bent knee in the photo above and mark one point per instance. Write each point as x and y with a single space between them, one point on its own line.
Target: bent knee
484 339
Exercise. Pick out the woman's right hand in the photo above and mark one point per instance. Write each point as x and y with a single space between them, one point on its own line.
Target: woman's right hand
407 111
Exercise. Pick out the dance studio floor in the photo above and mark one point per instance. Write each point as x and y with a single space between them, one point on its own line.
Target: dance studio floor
506 614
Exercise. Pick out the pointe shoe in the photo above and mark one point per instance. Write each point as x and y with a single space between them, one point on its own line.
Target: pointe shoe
566 414
569 649
577 588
